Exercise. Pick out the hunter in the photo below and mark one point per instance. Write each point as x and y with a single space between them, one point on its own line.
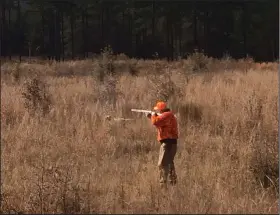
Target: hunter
167 127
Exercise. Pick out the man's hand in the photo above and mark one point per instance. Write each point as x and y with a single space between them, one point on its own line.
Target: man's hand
154 114
149 115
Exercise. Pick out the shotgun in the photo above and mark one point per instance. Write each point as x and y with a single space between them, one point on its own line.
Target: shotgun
144 111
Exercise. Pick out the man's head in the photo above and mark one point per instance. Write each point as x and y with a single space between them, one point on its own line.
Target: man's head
161 107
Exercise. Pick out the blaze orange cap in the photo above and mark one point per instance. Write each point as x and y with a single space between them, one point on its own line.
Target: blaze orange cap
160 106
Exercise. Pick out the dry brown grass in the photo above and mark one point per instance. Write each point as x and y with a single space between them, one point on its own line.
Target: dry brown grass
71 160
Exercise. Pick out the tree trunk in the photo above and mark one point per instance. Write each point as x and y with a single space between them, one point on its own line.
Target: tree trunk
169 33
9 33
62 36
57 34
3 30
276 48
171 40
153 21
228 29
108 26
245 14
42 48
86 39
206 28
72 20
180 36
172 29
51 50
137 42
58 21
84 34
129 35
168 38
132 37
20 35
123 20
123 45
195 27
102 25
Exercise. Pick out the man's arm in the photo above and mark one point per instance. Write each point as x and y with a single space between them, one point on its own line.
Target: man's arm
159 120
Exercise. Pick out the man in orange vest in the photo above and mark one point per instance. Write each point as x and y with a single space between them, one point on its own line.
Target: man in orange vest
167 127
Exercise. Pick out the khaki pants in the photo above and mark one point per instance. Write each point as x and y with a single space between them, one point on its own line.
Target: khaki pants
166 162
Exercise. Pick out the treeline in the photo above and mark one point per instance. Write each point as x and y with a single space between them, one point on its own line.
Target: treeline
168 29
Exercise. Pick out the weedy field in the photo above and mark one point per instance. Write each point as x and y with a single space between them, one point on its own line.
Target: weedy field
60 155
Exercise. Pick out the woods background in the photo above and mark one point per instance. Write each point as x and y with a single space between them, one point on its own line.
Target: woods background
166 29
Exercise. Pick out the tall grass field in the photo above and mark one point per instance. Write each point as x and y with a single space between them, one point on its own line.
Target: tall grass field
61 155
